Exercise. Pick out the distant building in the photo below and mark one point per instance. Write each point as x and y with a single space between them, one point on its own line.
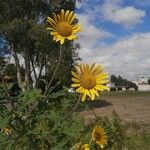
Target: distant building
111 86
142 84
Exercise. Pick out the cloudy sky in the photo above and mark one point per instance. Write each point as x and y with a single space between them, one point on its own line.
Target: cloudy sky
116 34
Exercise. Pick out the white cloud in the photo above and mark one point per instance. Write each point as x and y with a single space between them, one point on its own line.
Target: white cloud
128 17
79 4
90 34
144 3
130 56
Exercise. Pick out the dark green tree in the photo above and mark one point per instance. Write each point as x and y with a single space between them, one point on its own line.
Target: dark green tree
23 27
148 81
119 81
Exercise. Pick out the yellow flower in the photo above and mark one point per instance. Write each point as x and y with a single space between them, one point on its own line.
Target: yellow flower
79 146
89 79
99 136
84 147
62 26
7 77
7 131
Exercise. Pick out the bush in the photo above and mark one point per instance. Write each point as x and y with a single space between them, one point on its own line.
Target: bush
53 124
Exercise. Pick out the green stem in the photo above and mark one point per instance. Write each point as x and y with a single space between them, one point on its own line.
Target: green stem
50 82
55 71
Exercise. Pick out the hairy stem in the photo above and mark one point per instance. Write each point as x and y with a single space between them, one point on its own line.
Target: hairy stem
55 71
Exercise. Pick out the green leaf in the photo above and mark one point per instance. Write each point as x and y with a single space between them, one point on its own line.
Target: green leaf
3 122
57 94
30 96
2 138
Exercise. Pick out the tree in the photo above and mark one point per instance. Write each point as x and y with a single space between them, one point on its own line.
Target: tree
148 81
23 28
119 81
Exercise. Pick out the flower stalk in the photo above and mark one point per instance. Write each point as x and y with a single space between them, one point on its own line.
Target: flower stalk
55 71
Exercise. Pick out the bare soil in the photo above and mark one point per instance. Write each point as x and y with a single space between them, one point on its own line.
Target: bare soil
130 108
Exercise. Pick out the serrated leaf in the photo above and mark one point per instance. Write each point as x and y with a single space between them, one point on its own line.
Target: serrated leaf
3 122
30 96
57 94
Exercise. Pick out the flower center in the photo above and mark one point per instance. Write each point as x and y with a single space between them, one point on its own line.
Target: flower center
64 29
88 81
97 136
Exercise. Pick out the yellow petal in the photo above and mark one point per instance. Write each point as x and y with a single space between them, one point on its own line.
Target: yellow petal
92 94
91 68
95 92
101 87
81 68
76 26
102 81
97 70
87 68
55 17
79 90
59 18
76 30
50 20
71 19
70 16
52 25
66 15
83 97
51 29
54 33
103 78
62 41
72 37
84 68
102 75
62 14
75 75
75 85
57 38
88 93
77 69
75 80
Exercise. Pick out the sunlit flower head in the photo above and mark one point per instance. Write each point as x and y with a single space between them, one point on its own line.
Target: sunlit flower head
84 147
7 77
62 26
89 80
6 130
99 136
81 146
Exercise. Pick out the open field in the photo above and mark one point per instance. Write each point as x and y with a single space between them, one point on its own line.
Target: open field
132 107
134 110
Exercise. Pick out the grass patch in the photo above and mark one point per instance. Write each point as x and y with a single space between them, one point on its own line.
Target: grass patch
137 139
127 93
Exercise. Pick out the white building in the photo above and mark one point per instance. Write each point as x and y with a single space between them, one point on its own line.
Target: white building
142 84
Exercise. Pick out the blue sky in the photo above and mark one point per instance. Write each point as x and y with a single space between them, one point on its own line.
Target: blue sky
116 34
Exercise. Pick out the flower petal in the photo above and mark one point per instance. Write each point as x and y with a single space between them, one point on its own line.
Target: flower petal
62 41
75 80
70 16
66 15
62 15
75 75
83 97
79 90
75 85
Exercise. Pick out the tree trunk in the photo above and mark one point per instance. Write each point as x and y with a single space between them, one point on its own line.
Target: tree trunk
19 77
28 82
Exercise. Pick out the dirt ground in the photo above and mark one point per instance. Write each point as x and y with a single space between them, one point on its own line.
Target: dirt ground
131 109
